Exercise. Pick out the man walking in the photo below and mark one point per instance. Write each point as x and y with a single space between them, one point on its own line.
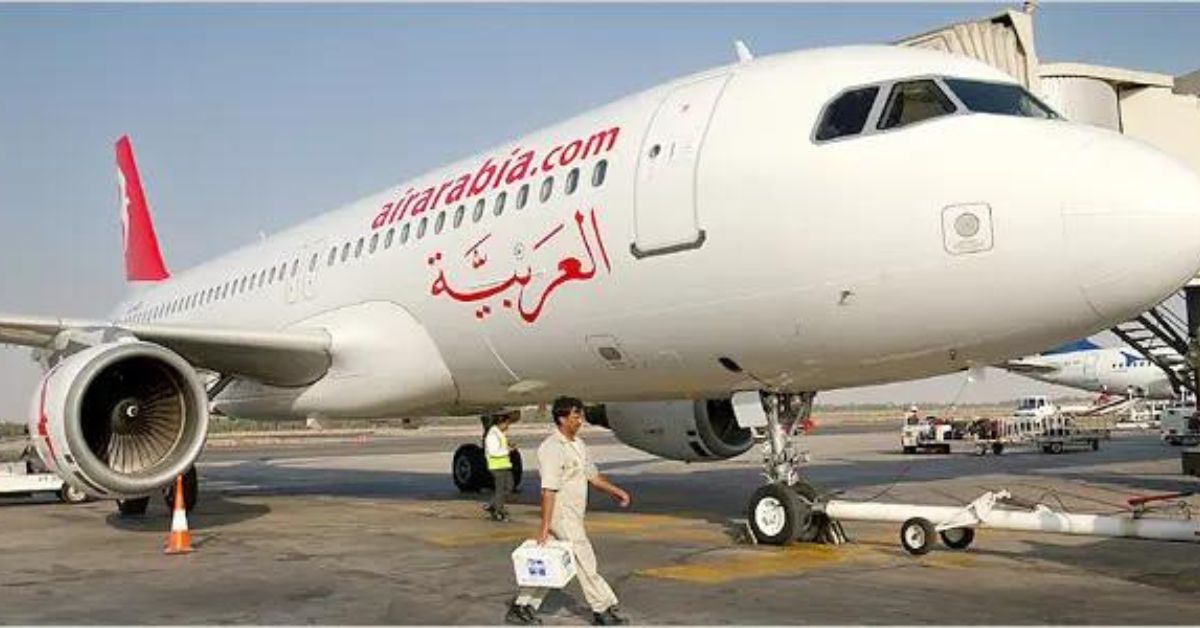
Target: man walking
500 465
566 471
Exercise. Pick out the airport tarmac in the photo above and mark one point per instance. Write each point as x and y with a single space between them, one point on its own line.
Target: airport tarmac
372 531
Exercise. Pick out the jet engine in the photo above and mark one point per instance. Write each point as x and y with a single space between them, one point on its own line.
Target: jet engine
688 430
120 419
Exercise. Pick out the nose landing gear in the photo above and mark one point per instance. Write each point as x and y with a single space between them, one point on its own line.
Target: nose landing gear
783 510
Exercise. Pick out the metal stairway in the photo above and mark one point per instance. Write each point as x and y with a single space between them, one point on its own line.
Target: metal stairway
1161 336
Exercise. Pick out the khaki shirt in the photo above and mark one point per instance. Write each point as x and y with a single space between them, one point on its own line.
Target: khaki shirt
566 468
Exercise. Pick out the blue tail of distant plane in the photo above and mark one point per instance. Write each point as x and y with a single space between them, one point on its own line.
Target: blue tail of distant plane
1072 347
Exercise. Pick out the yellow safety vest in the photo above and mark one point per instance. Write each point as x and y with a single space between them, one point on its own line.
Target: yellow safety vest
499 463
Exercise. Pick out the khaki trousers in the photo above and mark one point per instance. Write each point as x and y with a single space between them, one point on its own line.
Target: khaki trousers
596 591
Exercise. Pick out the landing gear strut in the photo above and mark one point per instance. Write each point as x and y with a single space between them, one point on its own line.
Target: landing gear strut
782 511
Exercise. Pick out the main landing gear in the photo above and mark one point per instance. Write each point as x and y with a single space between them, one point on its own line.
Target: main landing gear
191 491
783 510
469 467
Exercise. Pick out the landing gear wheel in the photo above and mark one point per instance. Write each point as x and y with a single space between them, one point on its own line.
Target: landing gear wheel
997 448
774 514
1055 448
191 490
917 535
71 495
132 507
808 522
469 468
957 538
910 450
1095 444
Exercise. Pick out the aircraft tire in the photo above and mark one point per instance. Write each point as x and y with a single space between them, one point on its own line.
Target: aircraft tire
774 514
469 468
191 491
135 506
997 448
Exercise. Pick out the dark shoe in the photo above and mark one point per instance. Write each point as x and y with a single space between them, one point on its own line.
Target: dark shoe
521 616
609 618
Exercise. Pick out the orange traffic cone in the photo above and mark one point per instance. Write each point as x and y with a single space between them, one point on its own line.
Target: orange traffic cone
180 540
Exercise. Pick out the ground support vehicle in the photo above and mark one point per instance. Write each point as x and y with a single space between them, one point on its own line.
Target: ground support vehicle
925 435
25 476
1063 432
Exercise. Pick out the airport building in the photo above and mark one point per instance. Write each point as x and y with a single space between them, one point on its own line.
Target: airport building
1161 109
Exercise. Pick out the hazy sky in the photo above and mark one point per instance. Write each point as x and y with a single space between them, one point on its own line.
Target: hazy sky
247 119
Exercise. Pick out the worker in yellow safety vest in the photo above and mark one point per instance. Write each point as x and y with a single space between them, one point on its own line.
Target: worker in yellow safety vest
499 463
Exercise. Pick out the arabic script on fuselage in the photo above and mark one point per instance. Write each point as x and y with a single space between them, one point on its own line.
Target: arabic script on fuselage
522 289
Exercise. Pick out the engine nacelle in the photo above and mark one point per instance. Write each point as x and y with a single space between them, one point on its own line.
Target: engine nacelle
120 419
690 430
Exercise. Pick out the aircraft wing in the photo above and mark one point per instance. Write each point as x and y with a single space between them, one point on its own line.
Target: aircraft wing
1026 368
292 357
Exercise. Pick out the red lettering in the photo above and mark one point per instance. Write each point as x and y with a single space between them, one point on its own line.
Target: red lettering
381 218
571 152
488 169
548 163
595 143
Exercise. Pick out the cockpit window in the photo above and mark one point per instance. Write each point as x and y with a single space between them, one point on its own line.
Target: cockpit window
999 98
848 114
914 101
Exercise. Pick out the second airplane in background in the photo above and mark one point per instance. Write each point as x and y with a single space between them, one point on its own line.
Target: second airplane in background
1088 366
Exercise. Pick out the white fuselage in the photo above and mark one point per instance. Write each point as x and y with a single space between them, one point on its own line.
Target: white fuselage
1112 371
720 230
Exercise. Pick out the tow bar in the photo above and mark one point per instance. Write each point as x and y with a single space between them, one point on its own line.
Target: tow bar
921 525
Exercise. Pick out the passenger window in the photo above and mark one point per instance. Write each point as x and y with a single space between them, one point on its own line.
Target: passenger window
847 115
440 222
599 172
522 196
387 240
499 208
547 189
312 265
421 227
358 248
477 214
345 252
374 243
332 256
404 232
458 215
914 101
572 181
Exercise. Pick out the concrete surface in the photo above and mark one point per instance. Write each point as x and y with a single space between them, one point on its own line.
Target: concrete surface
372 531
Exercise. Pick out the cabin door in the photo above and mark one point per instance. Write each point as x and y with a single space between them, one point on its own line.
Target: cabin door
665 187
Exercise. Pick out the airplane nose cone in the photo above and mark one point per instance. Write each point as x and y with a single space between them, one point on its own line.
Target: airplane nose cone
1132 226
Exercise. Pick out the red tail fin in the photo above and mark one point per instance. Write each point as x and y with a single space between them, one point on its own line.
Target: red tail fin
143 260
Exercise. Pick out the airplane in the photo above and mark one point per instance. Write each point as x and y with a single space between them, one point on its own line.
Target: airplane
1086 365
698 259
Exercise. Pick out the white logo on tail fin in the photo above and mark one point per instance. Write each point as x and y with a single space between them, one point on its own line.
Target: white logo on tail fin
125 202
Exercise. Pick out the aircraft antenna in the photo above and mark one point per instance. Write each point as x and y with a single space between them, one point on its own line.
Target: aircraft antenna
743 52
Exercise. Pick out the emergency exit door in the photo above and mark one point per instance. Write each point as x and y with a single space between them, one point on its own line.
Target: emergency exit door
665 187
